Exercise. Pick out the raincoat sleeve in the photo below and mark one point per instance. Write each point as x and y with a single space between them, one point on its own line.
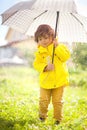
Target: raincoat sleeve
62 52
39 63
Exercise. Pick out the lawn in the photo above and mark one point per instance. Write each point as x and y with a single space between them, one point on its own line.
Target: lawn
19 97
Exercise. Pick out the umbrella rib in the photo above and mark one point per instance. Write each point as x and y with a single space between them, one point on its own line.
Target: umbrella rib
78 20
9 16
40 14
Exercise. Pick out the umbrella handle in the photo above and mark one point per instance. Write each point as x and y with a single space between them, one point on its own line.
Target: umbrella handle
53 54
57 17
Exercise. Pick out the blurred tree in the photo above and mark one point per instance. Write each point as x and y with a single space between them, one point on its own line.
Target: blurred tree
79 55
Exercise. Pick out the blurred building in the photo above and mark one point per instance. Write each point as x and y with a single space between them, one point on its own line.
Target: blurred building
10 50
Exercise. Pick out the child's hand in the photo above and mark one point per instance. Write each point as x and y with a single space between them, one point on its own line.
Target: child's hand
55 42
49 67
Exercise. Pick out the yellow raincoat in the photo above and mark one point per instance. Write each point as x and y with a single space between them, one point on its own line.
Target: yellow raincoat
57 77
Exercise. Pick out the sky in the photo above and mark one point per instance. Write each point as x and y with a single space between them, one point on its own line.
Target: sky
5 4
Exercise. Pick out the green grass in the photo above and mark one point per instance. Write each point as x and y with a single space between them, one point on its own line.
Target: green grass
19 97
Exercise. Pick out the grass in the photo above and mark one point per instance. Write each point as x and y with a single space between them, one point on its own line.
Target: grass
19 97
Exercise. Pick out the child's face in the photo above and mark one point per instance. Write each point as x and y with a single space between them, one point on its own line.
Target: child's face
45 41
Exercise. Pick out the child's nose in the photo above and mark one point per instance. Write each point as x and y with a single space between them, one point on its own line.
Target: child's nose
43 40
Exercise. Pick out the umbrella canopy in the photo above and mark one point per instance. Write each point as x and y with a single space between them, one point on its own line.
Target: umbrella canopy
70 29
26 16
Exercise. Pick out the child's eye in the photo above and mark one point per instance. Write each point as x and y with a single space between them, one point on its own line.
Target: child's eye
46 37
40 39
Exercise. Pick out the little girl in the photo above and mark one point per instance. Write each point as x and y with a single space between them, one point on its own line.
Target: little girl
53 76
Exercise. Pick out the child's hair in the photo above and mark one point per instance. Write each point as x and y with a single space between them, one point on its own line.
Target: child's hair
44 30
